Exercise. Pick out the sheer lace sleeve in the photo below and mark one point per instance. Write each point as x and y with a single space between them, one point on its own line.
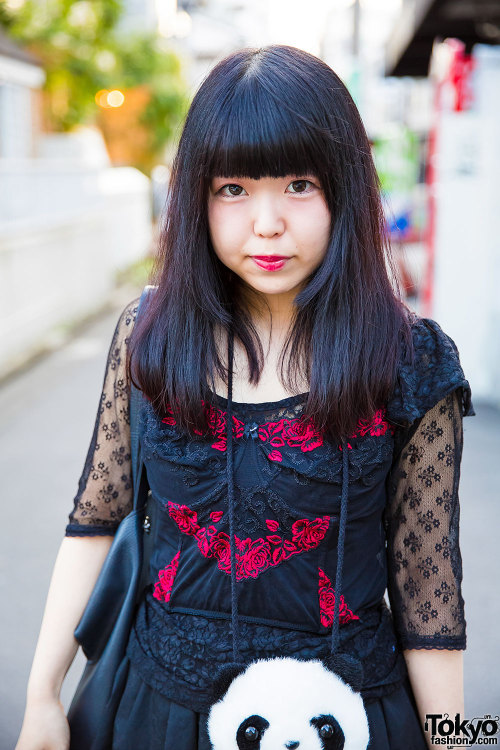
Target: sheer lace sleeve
422 525
105 493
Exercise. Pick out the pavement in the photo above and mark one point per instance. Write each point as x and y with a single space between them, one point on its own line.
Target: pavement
47 415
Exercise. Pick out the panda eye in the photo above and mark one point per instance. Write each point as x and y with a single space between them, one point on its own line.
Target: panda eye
251 733
326 731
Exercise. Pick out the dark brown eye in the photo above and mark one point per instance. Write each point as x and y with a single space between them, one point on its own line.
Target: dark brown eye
326 731
251 733
231 189
300 186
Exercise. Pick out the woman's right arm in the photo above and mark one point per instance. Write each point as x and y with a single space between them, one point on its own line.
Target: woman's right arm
104 498
75 572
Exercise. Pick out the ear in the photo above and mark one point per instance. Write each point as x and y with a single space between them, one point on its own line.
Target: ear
347 668
224 677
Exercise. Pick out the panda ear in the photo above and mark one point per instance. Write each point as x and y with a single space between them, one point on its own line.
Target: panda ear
224 677
347 668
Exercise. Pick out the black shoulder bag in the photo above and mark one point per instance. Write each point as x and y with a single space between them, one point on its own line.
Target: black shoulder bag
104 628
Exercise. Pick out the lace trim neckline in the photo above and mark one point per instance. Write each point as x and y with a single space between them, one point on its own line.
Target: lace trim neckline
261 405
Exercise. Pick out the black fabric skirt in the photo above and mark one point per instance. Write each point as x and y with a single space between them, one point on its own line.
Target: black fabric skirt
148 720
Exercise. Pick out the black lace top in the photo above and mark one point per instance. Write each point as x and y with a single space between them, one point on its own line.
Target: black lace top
402 533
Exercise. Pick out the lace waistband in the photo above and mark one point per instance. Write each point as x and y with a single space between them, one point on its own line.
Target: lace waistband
177 654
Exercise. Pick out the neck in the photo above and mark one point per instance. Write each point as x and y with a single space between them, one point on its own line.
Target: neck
272 314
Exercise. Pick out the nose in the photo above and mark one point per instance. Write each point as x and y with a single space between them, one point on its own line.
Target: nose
292 744
268 220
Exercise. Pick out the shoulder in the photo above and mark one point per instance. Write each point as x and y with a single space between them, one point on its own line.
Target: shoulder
128 316
117 354
125 324
427 374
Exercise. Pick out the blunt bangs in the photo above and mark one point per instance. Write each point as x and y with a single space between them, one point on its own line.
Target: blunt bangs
255 134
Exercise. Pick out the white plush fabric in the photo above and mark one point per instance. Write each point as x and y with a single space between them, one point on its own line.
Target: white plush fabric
288 693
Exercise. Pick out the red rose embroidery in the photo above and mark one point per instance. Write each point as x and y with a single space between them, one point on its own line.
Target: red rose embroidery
326 595
376 426
169 419
185 518
274 539
379 425
163 587
298 433
216 515
272 525
275 456
308 534
221 549
252 556
203 543
271 432
216 419
255 559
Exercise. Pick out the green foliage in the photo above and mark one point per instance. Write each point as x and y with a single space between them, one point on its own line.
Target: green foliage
82 52
146 59
137 274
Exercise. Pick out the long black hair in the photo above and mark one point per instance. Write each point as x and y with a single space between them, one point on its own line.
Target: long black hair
273 112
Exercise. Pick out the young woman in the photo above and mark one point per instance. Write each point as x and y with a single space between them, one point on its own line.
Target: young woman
274 245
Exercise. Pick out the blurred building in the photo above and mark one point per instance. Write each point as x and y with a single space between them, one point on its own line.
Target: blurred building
21 77
68 221
455 47
140 15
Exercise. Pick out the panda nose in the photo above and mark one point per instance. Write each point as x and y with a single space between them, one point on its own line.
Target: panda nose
292 744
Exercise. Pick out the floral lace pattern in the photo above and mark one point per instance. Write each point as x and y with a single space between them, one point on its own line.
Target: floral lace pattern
104 494
178 654
326 594
255 556
425 566
435 372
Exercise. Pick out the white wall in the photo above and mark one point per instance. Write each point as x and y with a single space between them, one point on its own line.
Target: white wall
64 232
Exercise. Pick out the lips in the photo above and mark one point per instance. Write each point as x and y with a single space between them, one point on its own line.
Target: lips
270 258
270 262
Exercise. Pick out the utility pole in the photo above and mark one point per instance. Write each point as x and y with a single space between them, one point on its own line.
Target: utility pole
356 17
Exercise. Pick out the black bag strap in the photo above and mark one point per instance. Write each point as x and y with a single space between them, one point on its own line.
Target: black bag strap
136 397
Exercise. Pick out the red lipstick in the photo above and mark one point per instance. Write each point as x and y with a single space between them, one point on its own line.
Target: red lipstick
270 262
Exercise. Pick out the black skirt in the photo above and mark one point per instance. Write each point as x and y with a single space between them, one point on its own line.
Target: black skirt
148 720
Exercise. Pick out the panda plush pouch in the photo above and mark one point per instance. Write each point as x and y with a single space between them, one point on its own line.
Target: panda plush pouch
284 702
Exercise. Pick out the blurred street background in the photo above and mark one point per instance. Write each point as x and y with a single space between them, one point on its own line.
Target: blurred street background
92 99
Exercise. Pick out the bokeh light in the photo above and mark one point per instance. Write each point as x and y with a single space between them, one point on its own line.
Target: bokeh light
107 99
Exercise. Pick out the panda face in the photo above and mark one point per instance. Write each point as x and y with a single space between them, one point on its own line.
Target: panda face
251 732
286 704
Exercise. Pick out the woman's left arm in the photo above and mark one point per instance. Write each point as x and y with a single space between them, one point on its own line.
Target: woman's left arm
424 560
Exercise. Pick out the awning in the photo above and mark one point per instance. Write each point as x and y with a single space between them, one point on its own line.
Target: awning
409 47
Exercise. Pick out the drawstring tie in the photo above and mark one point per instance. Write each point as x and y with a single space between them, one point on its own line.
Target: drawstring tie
347 667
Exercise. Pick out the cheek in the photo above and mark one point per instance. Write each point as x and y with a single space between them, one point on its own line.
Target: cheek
315 231
225 228
323 222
